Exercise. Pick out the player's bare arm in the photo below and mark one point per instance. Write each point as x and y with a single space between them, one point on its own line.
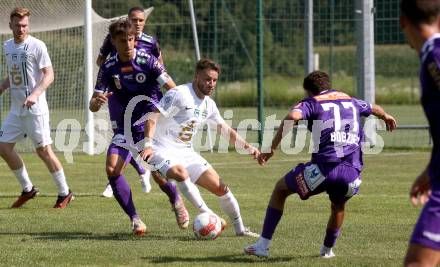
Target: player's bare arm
47 80
98 100
150 128
4 85
169 84
99 60
291 116
235 139
389 120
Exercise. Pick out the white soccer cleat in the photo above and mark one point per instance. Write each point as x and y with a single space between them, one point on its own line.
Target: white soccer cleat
139 228
326 253
248 232
108 191
256 250
145 182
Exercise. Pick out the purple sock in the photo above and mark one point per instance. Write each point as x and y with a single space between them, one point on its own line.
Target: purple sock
273 216
122 193
171 191
330 237
137 166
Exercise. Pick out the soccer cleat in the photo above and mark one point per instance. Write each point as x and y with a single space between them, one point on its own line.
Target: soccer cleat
63 201
139 228
182 215
326 253
248 232
145 182
25 196
256 250
108 191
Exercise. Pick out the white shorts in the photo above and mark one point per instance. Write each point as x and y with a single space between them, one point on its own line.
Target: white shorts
36 127
164 158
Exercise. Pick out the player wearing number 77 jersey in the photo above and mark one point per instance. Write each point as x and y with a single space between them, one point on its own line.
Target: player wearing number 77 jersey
336 164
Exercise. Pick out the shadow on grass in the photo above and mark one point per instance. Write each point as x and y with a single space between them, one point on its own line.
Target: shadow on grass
234 258
64 236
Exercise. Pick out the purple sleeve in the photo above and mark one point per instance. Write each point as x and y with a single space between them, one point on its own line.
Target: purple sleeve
155 66
102 84
106 47
433 65
306 107
364 107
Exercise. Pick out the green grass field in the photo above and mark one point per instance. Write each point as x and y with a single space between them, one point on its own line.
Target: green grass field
93 231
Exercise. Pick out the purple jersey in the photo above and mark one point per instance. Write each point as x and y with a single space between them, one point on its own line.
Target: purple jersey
144 42
430 99
139 76
334 118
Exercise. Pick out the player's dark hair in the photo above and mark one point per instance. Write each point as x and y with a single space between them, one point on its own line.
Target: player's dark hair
420 11
317 82
206 63
20 12
135 9
122 27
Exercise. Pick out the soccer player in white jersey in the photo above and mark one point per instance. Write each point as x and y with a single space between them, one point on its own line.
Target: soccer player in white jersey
29 75
185 108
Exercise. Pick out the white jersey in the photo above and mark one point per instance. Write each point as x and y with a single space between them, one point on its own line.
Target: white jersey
24 62
188 113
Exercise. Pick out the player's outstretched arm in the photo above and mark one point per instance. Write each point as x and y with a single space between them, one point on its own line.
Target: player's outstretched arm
98 100
4 85
150 128
266 155
389 120
235 139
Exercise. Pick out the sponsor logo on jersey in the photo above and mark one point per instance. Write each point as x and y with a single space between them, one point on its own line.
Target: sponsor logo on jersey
128 77
127 69
14 57
1 133
141 60
117 81
140 77
23 57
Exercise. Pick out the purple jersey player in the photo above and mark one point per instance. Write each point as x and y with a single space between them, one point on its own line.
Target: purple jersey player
148 45
334 119
420 21
144 42
127 75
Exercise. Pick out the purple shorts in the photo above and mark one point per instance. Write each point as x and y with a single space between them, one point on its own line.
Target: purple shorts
427 229
340 181
123 152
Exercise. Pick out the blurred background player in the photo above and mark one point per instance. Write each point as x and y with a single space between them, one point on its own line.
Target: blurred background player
30 73
335 167
123 77
147 44
420 22
172 153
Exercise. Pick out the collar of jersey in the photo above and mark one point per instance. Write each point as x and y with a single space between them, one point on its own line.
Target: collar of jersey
134 55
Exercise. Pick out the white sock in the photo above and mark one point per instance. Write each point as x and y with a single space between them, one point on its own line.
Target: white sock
60 182
145 181
230 206
264 242
23 178
192 193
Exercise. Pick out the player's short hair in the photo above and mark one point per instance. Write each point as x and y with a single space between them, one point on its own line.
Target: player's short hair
122 27
136 9
206 63
20 12
316 82
420 11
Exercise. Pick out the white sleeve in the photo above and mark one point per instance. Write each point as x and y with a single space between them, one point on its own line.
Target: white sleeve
42 56
214 118
170 103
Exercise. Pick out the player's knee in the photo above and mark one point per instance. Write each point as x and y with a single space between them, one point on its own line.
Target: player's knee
281 188
337 207
179 173
221 190
112 171
4 150
43 152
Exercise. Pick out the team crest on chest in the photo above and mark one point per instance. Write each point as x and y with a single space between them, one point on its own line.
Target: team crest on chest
140 77
117 81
